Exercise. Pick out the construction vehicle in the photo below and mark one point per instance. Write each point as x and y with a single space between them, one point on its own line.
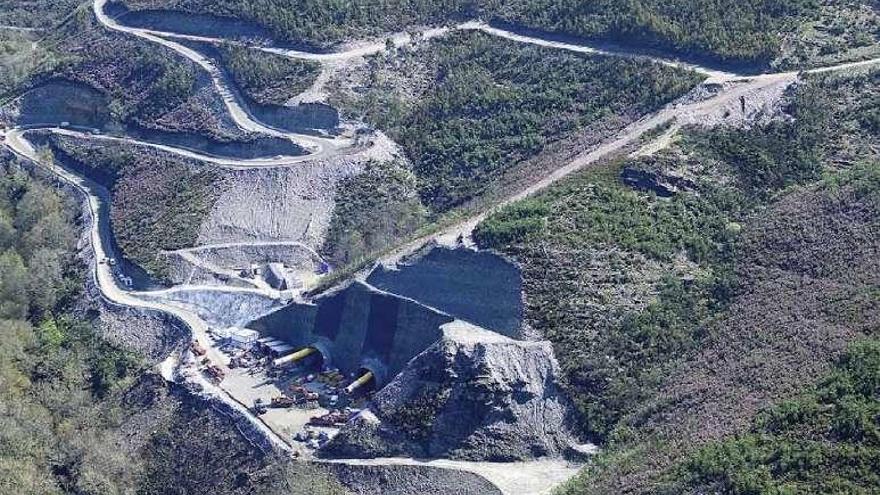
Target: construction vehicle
333 418
197 348
282 401
239 362
259 407
215 373
332 378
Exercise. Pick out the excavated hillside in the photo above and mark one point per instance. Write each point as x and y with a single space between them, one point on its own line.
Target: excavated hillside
472 395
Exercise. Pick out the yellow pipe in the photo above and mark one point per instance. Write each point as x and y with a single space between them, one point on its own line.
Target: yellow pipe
296 356
360 382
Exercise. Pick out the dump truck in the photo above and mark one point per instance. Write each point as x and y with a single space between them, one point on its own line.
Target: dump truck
215 373
333 418
197 348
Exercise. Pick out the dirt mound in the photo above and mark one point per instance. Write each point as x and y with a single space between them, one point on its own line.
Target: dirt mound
472 395
409 480
286 204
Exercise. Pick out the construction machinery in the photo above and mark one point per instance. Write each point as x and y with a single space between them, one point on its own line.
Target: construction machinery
333 418
282 401
197 348
332 378
259 407
215 373
294 357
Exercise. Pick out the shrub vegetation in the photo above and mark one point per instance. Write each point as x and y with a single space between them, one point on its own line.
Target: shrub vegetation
496 103
827 441
723 30
266 78
614 359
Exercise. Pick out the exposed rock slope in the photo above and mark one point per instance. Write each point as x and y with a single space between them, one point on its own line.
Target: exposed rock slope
474 395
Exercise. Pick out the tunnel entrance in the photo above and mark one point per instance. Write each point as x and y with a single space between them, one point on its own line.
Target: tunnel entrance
310 357
365 382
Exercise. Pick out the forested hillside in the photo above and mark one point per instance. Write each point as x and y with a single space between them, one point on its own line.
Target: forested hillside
717 285
40 14
751 32
55 372
158 201
469 108
266 78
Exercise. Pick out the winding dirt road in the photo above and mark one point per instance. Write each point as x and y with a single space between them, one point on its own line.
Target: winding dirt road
98 199
225 162
318 147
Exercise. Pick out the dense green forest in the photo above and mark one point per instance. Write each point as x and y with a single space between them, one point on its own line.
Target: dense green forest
55 372
41 14
322 22
680 263
267 78
492 104
725 30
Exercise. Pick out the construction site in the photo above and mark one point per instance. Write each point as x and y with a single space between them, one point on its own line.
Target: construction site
353 358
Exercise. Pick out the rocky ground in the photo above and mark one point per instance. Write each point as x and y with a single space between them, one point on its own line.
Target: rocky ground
287 204
474 395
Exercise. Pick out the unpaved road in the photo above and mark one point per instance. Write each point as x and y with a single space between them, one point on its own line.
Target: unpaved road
98 200
674 114
224 162
514 478
318 147
520 478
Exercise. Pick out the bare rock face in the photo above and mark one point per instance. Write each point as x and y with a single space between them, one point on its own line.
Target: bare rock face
664 185
473 395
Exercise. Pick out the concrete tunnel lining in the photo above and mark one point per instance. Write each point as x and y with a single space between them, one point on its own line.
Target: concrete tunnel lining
361 327
368 326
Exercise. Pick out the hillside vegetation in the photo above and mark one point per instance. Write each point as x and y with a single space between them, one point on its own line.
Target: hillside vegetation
158 202
826 441
143 85
746 32
718 286
41 14
487 105
82 416
18 59
373 210
266 78
55 372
